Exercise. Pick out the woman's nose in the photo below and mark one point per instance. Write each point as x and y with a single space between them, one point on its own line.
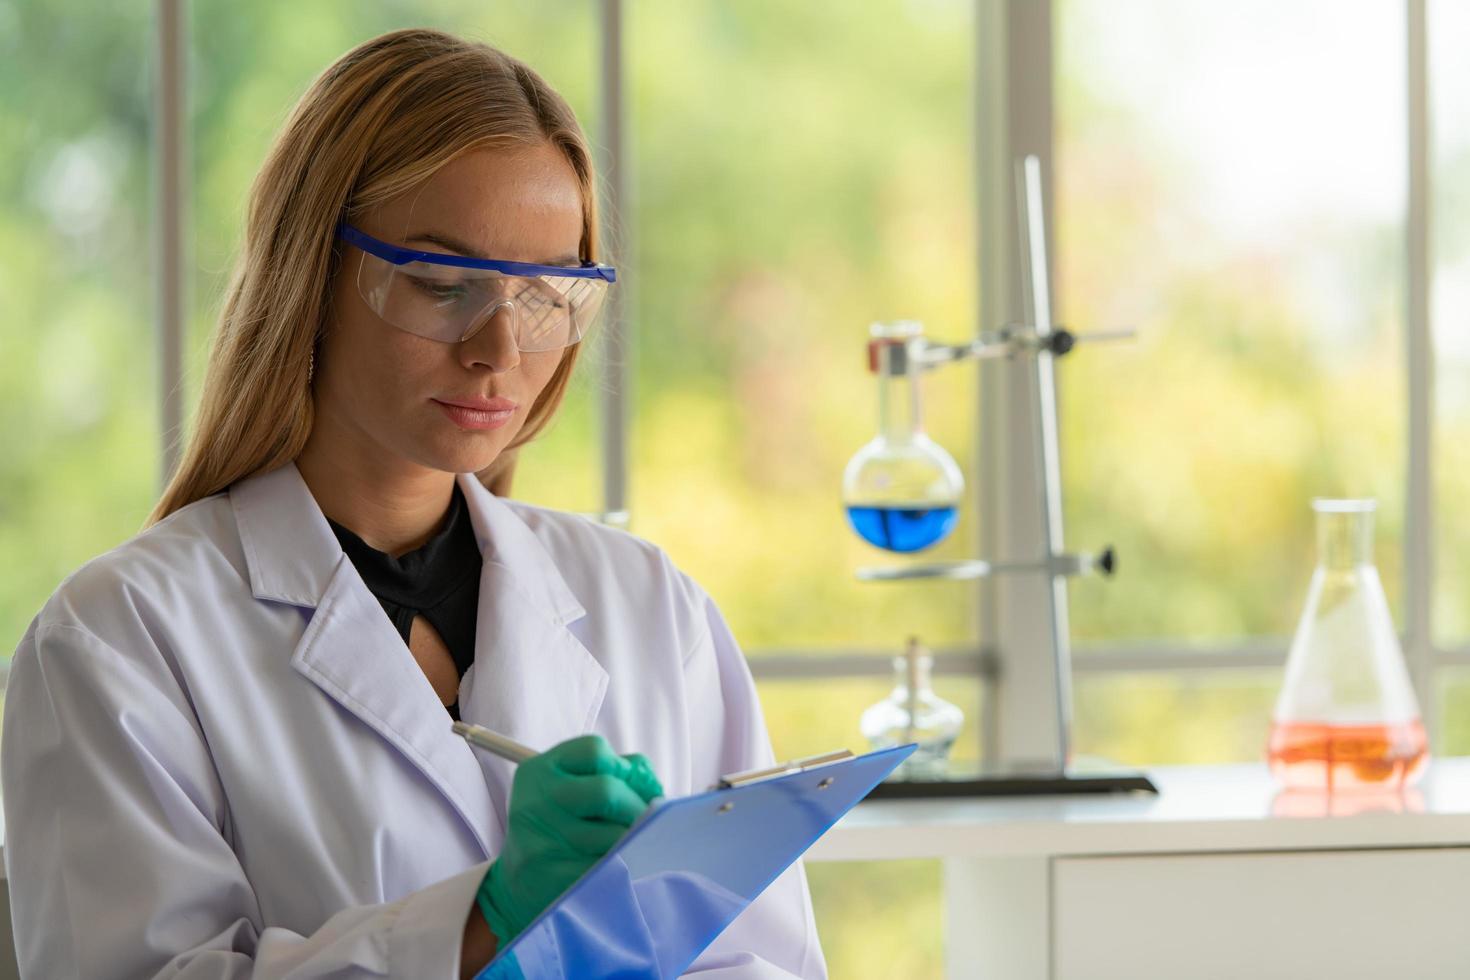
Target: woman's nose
493 340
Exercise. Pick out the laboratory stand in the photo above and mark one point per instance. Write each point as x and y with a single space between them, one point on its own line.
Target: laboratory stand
902 489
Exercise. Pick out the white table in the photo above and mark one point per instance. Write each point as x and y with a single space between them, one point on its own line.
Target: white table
1200 882
1212 878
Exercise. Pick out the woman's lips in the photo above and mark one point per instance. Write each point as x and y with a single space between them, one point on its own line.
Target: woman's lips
481 403
478 413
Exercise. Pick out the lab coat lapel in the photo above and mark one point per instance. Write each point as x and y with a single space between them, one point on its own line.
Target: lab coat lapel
532 679
350 649
352 652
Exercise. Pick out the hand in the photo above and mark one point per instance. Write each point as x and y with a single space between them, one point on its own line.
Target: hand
568 807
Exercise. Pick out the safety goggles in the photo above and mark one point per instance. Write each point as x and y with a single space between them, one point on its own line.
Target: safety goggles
450 298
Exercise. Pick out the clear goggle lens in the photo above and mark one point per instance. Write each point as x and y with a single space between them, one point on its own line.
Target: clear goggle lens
451 304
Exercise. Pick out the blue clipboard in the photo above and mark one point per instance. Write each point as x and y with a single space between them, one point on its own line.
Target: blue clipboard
683 872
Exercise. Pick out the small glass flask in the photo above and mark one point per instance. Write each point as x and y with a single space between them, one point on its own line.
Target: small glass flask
914 713
1347 717
902 489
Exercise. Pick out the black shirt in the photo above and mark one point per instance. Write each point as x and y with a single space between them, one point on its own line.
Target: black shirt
439 580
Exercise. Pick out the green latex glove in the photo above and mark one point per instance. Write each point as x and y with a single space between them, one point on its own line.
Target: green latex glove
568 807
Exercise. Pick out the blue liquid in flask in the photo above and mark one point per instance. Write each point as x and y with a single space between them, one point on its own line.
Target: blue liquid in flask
902 529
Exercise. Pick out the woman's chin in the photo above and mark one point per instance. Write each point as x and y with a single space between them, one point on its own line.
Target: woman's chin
464 453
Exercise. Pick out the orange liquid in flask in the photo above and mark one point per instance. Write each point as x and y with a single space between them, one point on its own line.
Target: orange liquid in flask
1311 755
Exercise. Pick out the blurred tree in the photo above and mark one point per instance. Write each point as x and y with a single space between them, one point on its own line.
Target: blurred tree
800 170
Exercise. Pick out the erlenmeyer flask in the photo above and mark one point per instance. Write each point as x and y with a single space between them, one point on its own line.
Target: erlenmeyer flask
1346 717
902 490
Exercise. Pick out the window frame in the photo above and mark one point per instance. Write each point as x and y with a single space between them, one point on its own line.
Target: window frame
1013 115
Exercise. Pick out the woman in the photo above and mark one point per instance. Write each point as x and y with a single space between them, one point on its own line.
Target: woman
227 745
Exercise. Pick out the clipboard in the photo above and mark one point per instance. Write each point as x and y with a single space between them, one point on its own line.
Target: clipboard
686 869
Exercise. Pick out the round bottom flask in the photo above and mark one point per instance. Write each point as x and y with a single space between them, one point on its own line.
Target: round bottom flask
902 490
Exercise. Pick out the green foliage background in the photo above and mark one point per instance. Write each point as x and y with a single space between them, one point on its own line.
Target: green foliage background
799 170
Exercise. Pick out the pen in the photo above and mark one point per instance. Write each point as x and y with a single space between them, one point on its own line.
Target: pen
506 748
640 777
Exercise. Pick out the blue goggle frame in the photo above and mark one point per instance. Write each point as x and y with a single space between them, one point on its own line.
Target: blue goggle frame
398 255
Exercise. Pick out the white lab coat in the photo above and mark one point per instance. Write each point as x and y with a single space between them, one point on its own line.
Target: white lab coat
220 759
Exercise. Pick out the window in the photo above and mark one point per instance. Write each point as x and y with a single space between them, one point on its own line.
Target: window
78 386
797 175
1230 179
1450 310
1237 196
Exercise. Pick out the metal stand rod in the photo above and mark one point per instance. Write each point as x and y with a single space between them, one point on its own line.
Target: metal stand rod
1102 563
1048 456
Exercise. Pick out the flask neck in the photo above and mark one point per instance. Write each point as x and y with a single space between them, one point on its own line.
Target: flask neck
898 395
1344 539
912 673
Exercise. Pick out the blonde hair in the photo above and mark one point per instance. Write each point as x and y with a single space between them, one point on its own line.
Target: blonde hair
384 118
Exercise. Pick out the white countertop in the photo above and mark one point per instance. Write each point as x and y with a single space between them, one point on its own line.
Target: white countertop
1199 808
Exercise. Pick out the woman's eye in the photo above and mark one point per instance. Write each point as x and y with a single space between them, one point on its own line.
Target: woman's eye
438 288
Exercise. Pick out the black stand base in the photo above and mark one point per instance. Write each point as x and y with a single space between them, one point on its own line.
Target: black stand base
1014 784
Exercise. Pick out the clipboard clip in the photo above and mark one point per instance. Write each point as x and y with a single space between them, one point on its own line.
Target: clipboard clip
749 776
